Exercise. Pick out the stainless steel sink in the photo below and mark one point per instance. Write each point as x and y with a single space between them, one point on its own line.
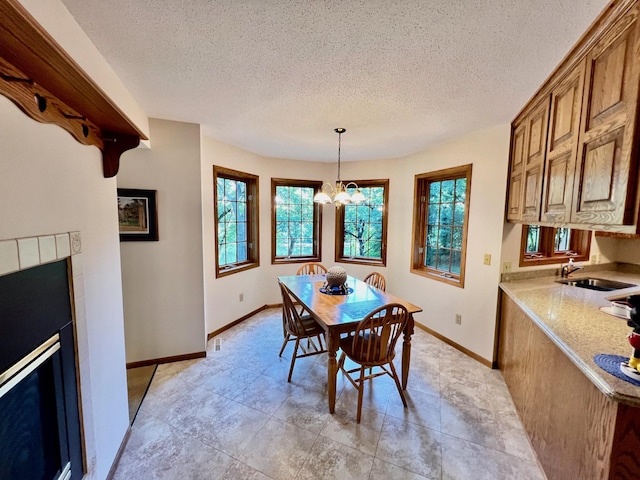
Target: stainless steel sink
596 283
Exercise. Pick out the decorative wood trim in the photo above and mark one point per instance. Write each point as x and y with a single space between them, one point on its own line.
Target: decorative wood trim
466 351
116 460
236 322
174 358
50 87
632 236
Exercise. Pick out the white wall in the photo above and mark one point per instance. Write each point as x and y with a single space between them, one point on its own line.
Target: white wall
49 183
486 150
162 281
258 285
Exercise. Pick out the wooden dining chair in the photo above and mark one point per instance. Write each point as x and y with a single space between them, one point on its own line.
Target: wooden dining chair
311 268
376 279
299 327
372 347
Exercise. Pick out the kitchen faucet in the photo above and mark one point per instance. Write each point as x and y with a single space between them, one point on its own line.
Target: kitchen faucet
569 268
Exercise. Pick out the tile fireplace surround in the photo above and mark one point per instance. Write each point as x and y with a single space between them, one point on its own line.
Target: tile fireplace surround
22 253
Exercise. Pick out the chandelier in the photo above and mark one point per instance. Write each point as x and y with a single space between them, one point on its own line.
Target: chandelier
338 194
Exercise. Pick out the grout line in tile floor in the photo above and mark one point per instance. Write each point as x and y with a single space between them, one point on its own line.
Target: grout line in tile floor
232 415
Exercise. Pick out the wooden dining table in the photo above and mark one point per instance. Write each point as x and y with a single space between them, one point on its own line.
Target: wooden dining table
340 314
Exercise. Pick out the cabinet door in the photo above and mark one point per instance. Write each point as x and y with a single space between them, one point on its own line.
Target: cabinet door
604 188
562 146
514 200
535 148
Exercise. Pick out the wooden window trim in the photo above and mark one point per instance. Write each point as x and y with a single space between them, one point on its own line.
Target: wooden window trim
421 188
317 221
580 242
253 251
339 230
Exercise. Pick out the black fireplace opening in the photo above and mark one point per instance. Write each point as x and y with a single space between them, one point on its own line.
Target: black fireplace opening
40 435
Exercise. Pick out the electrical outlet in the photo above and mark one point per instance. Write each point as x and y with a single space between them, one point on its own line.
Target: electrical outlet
598 258
594 259
487 259
506 267
458 319
241 297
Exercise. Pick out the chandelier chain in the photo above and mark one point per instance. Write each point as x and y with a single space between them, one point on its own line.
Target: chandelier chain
339 142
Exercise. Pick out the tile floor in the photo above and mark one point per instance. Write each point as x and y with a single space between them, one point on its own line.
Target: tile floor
232 415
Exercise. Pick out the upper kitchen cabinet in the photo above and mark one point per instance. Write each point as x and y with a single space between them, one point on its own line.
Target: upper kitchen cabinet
532 160
573 147
605 179
562 145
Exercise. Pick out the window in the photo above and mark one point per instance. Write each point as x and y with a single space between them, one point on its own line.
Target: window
441 213
547 245
236 216
295 221
361 228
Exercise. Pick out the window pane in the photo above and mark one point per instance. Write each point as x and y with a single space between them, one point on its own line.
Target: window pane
457 238
455 261
461 190
446 214
430 258
434 213
362 225
533 239
458 216
295 220
561 243
282 247
443 226
434 192
444 255
233 221
432 235
445 237
448 187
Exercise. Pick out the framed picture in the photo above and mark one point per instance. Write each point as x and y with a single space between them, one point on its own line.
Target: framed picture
137 215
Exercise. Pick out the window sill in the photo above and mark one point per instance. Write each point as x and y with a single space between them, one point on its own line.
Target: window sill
362 261
284 260
239 268
440 277
532 262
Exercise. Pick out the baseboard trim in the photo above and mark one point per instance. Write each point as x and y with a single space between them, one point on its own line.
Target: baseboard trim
457 346
174 358
116 460
236 322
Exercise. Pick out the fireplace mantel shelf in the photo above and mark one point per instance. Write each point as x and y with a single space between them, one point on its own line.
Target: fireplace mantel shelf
50 87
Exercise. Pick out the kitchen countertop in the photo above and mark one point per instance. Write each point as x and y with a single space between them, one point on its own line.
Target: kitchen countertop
571 317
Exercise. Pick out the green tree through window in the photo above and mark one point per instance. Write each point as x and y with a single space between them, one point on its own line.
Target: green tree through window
440 224
445 223
361 228
236 220
296 221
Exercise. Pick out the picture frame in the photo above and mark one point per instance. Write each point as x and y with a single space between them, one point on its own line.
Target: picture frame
137 215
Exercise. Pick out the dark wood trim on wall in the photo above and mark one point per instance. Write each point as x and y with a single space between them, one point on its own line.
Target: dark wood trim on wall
116 460
39 77
175 358
236 322
466 351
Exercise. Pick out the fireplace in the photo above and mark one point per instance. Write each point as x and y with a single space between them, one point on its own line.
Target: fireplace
40 429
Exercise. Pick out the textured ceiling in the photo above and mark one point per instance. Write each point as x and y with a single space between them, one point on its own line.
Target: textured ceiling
277 76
